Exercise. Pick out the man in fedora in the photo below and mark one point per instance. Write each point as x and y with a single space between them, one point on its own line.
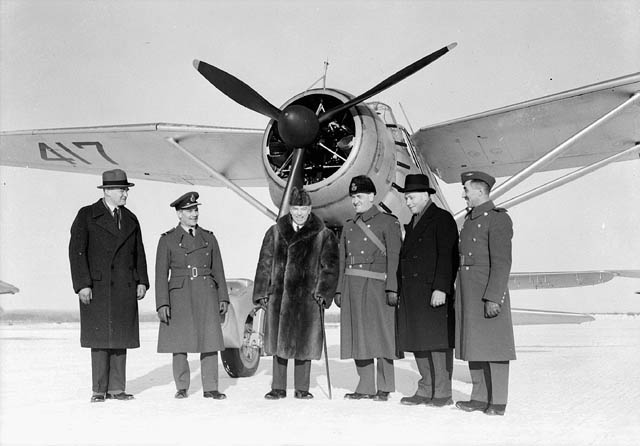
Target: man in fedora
109 273
427 270
367 292
484 331
191 297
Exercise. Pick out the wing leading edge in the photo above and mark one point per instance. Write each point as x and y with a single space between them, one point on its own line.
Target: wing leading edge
142 150
504 141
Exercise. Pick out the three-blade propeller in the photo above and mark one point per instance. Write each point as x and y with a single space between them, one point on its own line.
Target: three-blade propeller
299 126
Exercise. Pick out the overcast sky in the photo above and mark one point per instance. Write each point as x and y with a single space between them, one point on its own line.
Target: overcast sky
80 63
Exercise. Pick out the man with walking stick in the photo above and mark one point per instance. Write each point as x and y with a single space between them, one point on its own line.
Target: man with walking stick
295 281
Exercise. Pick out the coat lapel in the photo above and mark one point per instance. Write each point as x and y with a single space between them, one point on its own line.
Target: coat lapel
103 217
424 222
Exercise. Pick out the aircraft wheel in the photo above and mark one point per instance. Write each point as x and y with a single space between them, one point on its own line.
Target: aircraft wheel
241 362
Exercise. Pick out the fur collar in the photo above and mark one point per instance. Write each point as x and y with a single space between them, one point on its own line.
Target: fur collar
310 229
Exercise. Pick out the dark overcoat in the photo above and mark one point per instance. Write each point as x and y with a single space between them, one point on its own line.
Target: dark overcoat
293 268
190 280
485 265
112 263
367 322
428 262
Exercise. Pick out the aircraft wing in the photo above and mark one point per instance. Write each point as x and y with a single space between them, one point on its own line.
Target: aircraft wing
537 317
142 150
565 279
7 288
503 141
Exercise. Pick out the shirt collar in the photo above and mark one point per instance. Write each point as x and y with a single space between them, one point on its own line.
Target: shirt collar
111 209
369 214
482 208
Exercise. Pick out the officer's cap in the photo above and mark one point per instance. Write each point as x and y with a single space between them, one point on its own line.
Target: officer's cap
299 197
186 201
361 184
477 175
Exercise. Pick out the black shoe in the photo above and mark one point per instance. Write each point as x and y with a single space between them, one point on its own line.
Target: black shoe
181 394
415 400
122 396
97 398
470 406
441 402
303 395
495 409
358 396
276 394
214 394
381 396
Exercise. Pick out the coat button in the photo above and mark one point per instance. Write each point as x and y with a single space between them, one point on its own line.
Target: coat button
467 268
474 239
365 239
470 253
486 213
479 225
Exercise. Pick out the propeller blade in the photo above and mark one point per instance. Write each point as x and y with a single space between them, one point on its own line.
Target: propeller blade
236 90
295 180
390 81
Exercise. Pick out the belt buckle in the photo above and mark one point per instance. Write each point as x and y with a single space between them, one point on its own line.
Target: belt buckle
194 271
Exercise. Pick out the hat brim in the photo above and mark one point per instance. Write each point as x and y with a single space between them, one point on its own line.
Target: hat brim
189 206
115 186
418 189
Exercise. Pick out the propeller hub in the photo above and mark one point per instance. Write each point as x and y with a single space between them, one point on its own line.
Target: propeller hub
298 126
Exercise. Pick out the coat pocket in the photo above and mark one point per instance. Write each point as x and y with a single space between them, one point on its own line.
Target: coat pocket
176 283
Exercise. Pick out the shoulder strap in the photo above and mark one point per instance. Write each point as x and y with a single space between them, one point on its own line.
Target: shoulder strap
374 238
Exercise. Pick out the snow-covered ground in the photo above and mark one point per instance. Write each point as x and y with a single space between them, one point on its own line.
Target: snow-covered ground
571 384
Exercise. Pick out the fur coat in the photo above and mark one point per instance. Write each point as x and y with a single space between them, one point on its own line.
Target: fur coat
294 268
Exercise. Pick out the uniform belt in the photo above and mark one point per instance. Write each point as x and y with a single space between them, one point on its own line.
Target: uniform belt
365 273
470 261
191 272
369 260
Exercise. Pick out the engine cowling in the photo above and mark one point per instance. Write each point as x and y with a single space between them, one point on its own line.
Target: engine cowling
356 142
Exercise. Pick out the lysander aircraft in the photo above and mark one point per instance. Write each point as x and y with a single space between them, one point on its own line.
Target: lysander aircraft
322 137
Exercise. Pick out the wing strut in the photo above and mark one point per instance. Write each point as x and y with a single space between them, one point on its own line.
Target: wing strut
224 180
567 178
555 153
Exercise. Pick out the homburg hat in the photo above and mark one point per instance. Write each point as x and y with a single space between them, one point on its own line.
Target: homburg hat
417 183
114 179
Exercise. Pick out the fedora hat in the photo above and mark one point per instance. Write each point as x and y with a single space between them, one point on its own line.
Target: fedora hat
113 179
417 183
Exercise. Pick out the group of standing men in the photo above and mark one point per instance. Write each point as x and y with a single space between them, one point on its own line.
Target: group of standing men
395 295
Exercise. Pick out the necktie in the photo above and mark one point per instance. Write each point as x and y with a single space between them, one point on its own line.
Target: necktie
191 232
116 215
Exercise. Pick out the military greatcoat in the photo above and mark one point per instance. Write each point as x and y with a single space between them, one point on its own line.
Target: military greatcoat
112 263
485 264
367 322
293 268
190 280
428 262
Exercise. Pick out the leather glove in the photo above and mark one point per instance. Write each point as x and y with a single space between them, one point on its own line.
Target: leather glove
338 299
263 302
392 298
438 298
320 301
224 306
164 314
491 309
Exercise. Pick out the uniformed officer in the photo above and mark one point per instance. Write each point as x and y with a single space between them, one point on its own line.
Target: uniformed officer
367 292
484 332
427 270
191 297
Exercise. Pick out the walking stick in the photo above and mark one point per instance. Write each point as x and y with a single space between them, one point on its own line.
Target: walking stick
324 341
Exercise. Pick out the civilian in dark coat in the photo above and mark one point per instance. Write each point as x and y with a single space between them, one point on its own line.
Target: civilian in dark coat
428 263
109 273
295 280
484 332
191 298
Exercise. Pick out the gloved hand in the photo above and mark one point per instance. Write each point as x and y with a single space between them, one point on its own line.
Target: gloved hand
491 309
338 299
438 298
85 295
392 298
263 302
320 301
164 313
224 306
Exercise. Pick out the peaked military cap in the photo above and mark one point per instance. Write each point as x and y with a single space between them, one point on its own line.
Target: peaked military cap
114 179
186 201
299 197
417 183
361 184
477 175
